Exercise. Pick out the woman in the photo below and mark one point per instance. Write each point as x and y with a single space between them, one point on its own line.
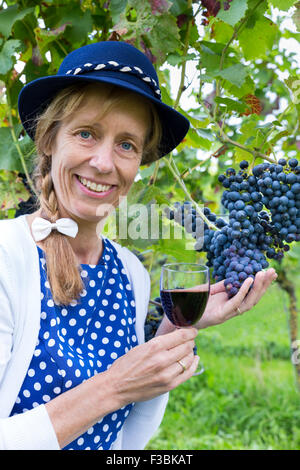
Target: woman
75 372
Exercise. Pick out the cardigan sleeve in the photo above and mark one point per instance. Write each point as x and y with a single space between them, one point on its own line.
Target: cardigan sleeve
6 316
31 430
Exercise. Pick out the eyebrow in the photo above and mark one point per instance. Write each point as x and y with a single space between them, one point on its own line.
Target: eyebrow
129 135
125 134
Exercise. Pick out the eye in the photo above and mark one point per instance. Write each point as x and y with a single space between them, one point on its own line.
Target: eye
85 135
126 146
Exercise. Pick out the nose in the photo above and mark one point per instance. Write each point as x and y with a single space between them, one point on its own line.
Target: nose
103 157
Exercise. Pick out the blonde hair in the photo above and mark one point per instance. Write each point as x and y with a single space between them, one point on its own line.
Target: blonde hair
63 269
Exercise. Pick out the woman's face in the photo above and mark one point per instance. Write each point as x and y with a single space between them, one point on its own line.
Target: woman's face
95 159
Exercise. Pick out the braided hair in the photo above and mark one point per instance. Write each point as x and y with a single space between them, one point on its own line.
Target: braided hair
63 268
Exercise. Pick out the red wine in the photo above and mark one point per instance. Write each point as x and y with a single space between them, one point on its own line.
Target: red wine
183 307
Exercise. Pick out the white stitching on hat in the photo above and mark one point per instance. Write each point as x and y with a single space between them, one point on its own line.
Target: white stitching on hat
122 68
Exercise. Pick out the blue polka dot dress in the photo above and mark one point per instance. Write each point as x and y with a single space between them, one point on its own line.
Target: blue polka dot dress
82 339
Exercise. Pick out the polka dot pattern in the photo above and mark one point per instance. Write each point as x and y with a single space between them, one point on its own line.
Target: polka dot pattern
82 339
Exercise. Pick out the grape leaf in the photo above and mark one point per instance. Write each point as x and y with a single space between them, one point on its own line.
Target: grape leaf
9 157
9 16
7 58
79 24
159 33
232 105
178 7
116 8
235 13
12 190
236 74
196 139
45 37
256 41
282 4
178 249
222 32
164 36
159 6
248 87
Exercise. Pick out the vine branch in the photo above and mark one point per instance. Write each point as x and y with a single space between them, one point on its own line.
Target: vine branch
256 154
185 50
17 144
175 172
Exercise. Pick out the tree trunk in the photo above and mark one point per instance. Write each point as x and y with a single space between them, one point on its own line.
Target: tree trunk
287 285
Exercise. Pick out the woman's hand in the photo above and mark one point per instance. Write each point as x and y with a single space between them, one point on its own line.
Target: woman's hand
152 368
220 308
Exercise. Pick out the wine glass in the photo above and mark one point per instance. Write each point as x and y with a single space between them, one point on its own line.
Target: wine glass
184 292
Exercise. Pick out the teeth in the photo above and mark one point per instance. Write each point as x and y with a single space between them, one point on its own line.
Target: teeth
93 186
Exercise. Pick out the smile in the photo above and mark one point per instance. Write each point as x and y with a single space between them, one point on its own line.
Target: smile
98 188
94 190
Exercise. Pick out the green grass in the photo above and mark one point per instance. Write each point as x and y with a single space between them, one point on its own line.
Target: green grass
246 398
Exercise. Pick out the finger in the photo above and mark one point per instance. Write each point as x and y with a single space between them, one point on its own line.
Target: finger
181 364
186 361
235 302
261 283
179 352
217 287
173 339
185 374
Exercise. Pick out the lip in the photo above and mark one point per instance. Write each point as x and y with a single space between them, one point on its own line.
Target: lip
93 193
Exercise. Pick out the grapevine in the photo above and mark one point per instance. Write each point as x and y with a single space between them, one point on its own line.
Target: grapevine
262 220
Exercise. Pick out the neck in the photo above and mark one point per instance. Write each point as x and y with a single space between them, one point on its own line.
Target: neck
87 245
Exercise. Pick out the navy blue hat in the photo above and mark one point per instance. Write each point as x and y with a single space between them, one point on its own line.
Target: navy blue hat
113 62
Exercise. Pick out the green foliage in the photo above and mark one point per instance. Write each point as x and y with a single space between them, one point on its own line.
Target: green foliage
246 398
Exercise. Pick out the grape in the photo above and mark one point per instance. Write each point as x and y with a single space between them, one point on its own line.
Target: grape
264 218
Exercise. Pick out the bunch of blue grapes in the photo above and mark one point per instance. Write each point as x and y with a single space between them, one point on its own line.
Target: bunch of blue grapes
262 220
153 319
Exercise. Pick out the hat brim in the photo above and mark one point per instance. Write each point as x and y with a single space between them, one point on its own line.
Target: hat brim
36 95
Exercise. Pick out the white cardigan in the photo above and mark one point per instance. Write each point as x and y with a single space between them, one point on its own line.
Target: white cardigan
20 309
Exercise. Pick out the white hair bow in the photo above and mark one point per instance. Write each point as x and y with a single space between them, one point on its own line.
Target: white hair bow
41 228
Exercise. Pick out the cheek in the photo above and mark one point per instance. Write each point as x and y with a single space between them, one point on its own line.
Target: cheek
62 160
61 174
